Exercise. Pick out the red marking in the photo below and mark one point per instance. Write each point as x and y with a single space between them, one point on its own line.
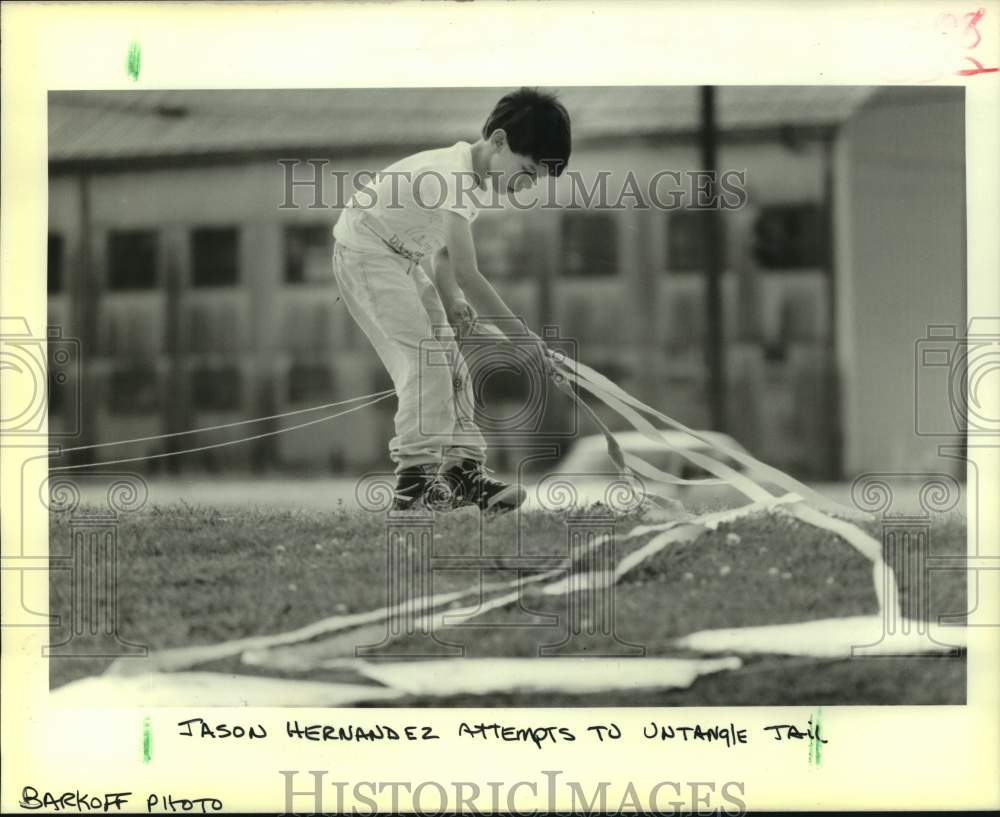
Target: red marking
971 72
948 23
972 20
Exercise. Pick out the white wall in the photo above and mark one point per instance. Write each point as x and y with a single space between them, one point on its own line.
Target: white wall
900 257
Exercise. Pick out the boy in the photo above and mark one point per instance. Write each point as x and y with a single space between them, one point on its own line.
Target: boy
421 208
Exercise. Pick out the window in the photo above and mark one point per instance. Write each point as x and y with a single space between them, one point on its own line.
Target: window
789 236
502 247
215 256
132 259
212 328
133 391
686 325
307 381
216 388
54 262
590 244
307 253
684 242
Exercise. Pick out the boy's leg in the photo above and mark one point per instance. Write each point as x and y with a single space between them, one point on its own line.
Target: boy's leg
464 480
468 443
382 297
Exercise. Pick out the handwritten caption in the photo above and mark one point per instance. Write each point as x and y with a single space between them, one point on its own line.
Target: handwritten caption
727 735
32 800
539 735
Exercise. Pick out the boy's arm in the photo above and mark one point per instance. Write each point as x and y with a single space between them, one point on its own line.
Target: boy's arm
462 258
444 278
465 272
460 314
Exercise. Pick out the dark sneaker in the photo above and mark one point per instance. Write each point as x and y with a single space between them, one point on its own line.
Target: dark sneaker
411 486
471 484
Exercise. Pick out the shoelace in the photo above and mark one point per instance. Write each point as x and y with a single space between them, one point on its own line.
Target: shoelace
481 475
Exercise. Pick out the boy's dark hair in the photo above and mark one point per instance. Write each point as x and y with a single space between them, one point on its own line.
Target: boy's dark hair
536 124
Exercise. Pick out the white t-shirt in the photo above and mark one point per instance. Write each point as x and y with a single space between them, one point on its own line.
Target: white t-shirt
406 201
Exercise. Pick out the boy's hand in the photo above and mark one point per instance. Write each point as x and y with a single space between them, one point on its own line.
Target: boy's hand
462 316
534 350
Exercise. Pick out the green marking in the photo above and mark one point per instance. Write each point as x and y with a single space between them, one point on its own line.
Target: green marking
815 744
134 61
147 740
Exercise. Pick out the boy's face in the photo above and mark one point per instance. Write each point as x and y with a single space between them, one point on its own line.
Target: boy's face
512 172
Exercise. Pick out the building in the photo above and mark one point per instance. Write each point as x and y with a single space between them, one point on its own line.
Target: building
901 268
201 299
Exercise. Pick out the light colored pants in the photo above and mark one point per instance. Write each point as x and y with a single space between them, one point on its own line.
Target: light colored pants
399 309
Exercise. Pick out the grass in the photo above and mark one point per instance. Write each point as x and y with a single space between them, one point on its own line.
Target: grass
196 575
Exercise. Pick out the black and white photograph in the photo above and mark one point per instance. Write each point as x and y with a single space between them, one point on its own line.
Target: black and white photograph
508 397
499 407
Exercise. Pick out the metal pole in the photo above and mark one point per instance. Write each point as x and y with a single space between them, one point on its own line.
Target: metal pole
833 466
712 241
87 293
175 406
